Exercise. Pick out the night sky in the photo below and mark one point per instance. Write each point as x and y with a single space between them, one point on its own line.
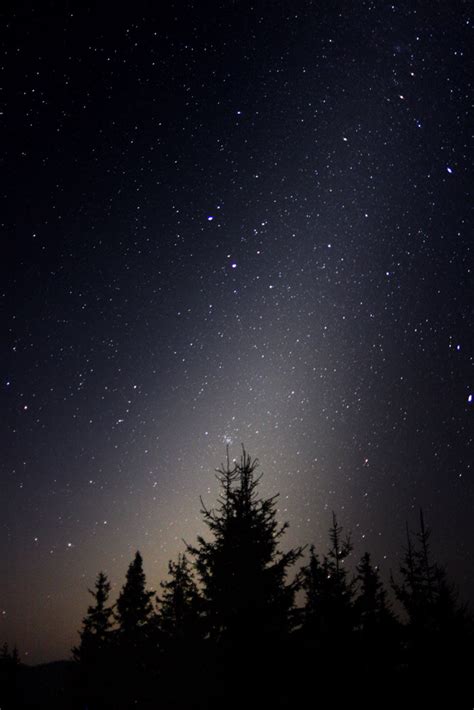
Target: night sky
246 222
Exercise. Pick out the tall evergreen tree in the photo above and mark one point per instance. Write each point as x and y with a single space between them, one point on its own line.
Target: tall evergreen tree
134 607
328 610
430 601
373 610
97 625
314 582
325 636
181 636
378 637
340 548
342 588
247 598
94 653
136 650
179 605
242 571
439 631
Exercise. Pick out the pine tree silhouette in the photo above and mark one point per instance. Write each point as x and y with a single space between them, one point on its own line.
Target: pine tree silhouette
96 626
94 653
134 607
431 603
247 599
242 571
341 588
180 605
327 617
137 655
377 629
439 630
181 636
314 578
328 610
373 611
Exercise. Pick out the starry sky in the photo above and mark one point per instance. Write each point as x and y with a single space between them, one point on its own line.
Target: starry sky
241 223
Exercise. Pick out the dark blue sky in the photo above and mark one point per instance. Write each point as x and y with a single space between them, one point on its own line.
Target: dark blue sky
241 223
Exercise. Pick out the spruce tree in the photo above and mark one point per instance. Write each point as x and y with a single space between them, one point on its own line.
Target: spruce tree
328 609
373 610
241 569
314 582
181 635
97 625
342 587
430 601
94 653
247 598
439 630
326 632
134 613
378 631
179 605
136 650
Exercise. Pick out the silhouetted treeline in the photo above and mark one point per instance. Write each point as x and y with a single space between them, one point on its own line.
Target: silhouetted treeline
225 631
